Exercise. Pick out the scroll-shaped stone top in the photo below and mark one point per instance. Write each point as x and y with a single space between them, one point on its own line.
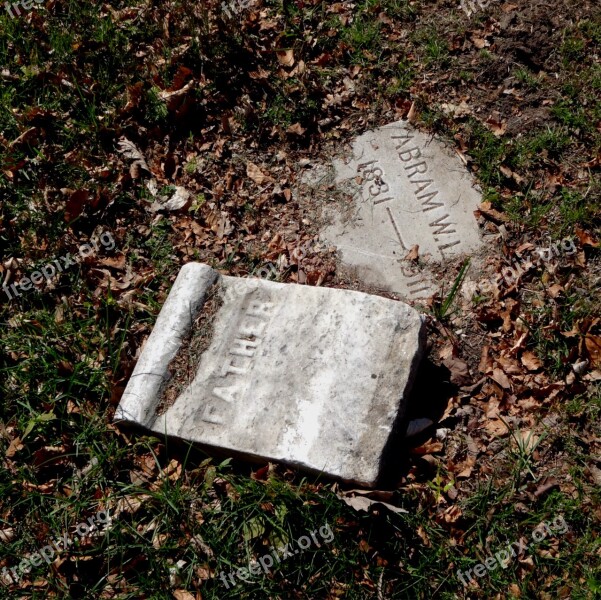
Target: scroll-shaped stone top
313 377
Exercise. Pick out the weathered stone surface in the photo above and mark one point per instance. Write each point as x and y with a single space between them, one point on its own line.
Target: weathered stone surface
313 377
411 190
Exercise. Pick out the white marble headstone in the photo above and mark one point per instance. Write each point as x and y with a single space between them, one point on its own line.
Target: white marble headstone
410 189
313 377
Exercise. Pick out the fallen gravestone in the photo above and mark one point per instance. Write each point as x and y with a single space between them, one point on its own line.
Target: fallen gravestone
409 189
314 377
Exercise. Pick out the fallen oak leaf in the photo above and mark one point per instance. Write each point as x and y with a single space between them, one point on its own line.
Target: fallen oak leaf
45 488
498 128
555 290
180 200
430 447
381 495
460 374
545 486
14 446
168 95
593 347
183 595
413 253
362 502
501 378
585 239
7 535
466 467
129 150
286 57
595 474
116 262
255 173
296 128
531 361
486 210
594 375
76 204
496 427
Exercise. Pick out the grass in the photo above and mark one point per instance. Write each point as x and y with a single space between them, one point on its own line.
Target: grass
442 311
80 76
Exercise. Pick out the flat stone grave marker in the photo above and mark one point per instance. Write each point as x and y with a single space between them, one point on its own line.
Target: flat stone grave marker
313 377
409 189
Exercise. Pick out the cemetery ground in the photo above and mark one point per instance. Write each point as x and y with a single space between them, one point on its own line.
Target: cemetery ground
184 133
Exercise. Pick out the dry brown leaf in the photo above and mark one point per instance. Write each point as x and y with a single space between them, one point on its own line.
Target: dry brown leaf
545 486
509 365
45 488
181 200
499 376
116 262
460 374
183 595
430 447
485 209
527 440
529 404
166 95
173 471
585 238
296 128
485 360
511 175
555 290
129 504
364 503
203 573
593 375
413 253
595 475
531 361
76 204
424 536
452 514
496 427
255 173
497 127
593 346
492 409
286 57
466 467
129 150
456 110
480 42
14 446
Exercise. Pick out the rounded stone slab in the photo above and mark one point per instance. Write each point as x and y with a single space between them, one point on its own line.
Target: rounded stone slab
410 190
313 377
